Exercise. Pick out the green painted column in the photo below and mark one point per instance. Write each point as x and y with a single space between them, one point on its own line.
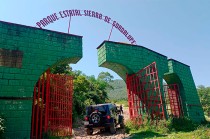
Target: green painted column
180 74
25 53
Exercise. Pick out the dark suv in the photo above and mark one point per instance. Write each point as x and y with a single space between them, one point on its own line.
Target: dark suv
104 117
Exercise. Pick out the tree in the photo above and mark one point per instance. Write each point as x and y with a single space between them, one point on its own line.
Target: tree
87 89
204 94
61 69
105 76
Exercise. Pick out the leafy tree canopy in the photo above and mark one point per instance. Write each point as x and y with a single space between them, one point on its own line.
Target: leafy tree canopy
61 69
106 76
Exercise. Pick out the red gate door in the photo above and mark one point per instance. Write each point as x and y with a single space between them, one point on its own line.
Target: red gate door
38 108
173 100
59 108
52 106
144 96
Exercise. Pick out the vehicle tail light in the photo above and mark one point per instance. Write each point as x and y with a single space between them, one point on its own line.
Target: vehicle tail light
108 116
86 118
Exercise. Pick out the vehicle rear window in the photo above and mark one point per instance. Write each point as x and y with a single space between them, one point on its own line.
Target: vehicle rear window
101 109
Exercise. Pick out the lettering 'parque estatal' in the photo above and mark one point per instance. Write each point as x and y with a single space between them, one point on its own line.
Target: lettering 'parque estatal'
67 13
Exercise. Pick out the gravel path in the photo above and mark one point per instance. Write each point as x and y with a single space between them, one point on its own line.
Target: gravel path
80 133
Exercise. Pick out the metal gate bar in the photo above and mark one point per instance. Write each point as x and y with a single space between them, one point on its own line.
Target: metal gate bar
38 109
52 106
144 96
47 100
60 105
173 100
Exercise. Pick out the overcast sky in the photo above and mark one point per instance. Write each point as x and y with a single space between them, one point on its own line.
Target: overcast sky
175 28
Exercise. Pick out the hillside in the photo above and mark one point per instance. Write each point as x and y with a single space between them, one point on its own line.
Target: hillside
119 92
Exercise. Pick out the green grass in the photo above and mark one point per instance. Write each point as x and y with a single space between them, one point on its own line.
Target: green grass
200 133
173 129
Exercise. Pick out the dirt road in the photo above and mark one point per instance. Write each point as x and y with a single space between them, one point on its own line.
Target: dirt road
80 133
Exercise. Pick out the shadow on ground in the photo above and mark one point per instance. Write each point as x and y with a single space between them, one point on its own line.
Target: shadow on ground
146 134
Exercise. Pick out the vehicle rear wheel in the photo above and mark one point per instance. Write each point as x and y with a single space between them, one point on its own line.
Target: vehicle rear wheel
112 128
89 131
95 118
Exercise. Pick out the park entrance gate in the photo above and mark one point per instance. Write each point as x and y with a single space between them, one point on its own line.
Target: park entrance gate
145 98
52 106
19 74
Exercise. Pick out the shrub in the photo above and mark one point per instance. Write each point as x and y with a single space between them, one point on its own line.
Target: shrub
131 125
147 125
2 126
181 124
